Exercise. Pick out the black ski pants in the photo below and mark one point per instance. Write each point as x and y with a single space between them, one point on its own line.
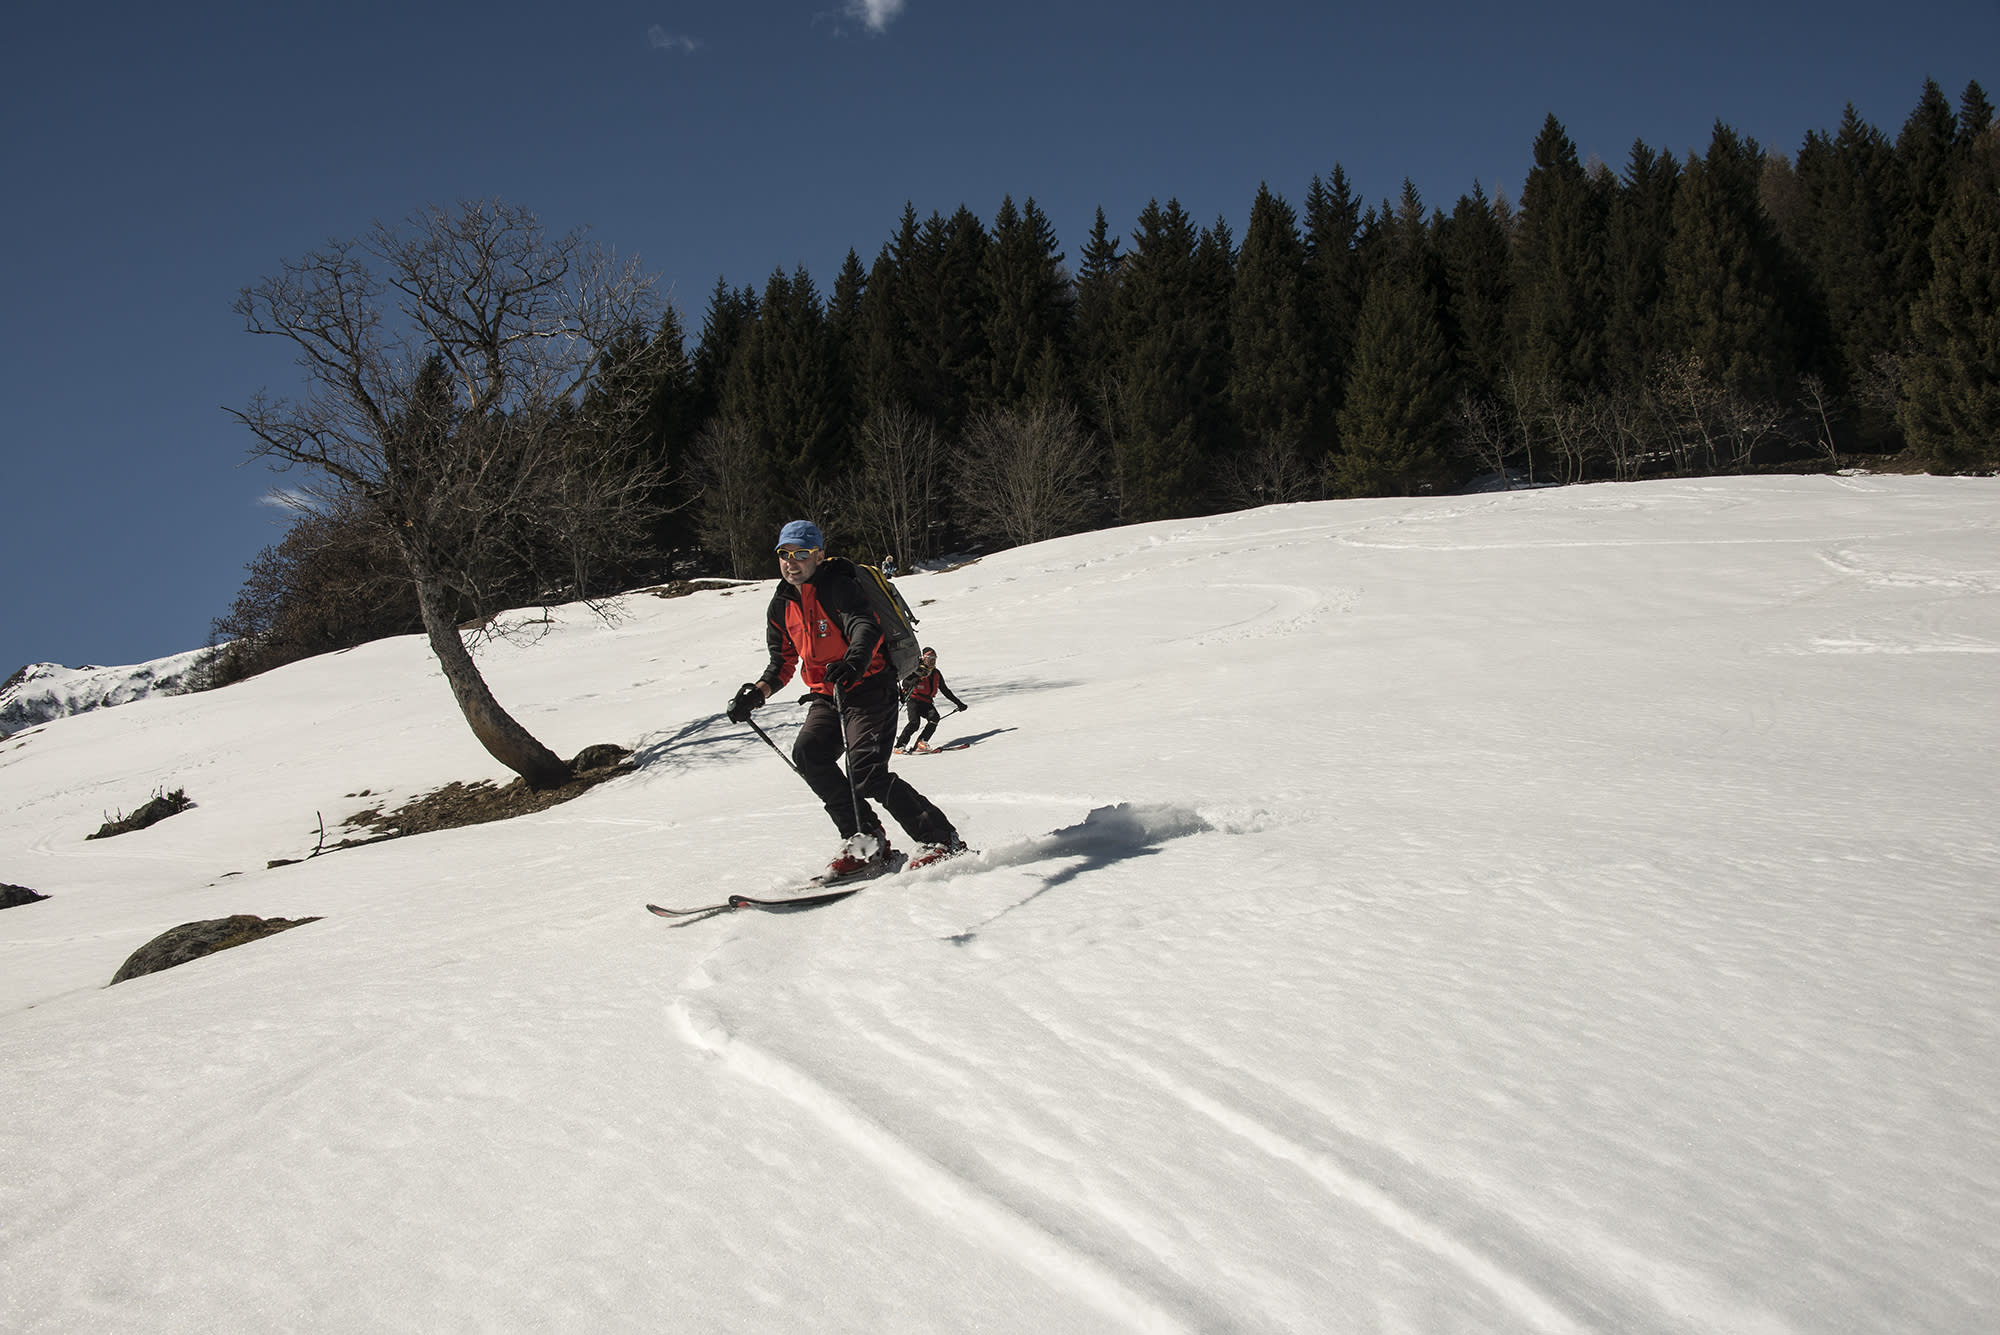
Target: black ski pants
919 711
870 727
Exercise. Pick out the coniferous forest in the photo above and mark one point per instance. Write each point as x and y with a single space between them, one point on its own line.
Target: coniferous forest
974 385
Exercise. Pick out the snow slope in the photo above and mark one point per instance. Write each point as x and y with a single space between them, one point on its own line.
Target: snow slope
1554 911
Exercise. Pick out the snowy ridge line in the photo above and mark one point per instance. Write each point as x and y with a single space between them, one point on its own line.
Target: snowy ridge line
930 1185
1675 1297
1542 1311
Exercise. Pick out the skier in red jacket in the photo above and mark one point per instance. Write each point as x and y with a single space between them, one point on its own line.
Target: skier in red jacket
819 624
922 699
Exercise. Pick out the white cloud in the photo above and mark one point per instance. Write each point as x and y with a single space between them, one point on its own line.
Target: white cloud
663 40
293 500
875 13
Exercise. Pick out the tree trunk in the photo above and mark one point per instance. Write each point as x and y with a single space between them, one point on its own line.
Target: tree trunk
504 739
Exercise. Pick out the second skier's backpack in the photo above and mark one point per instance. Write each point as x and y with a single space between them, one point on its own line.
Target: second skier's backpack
899 627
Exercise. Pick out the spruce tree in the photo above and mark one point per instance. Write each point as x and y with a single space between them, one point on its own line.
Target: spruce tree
1096 303
1333 291
1025 306
1270 387
1473 247
1951 375
1975 116
1395 426
1924 168
1559 290
1637 232
847 344
1724 297
732 314
782 384
672 416
1845 243
880 353
1159 368
938 291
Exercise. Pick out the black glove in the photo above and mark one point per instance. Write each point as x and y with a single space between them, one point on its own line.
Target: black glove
840 674
962 706
745 702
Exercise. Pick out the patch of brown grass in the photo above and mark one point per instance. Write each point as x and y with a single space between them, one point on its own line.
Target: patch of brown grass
460 804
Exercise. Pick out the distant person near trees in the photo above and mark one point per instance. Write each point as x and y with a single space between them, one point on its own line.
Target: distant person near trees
923 704
819 624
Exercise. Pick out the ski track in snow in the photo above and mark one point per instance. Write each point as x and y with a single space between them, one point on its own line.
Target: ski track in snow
951 1197
1547 1283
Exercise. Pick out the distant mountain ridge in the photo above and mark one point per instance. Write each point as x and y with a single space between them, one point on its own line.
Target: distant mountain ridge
43 691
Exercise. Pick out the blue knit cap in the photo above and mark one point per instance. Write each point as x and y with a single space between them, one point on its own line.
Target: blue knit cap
801 533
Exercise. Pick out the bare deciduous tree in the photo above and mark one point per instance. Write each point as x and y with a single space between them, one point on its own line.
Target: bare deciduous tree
1272 472
1028 474
1484 437
1820 410
1707 427
901 480
449 368
728 468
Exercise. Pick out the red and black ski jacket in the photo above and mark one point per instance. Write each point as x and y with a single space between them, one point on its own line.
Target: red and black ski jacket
928 686
810 625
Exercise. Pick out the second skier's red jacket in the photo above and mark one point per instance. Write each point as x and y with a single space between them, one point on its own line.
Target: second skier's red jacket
928 686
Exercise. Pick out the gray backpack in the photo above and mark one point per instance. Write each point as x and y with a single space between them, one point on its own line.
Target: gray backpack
899 626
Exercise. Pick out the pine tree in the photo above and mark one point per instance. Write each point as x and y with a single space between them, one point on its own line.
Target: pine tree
732 314
1975 116
1396 424
1270 389
1637 232
668 425
1473 247
782 383
847 345
939 295
880 349
1724 297
1559 289
1333 291
1924 167
1951 376
1160 367
1097 306
1025 307
1845 242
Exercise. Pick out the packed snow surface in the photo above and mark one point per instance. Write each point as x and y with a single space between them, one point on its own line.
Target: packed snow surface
1555 911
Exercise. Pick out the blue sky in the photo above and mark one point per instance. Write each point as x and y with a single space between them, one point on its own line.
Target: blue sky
157 159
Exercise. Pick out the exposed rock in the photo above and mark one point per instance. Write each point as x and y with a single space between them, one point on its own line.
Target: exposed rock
13 896
157 808
192 940
601 756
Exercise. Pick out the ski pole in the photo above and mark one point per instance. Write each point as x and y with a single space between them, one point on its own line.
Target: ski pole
773 745
847 754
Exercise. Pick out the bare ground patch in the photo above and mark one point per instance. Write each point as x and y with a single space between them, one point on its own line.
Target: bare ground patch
476 803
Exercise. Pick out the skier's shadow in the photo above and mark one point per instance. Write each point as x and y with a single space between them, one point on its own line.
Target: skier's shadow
970 738
1108 835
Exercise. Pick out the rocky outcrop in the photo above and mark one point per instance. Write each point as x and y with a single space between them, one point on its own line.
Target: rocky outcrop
192 940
